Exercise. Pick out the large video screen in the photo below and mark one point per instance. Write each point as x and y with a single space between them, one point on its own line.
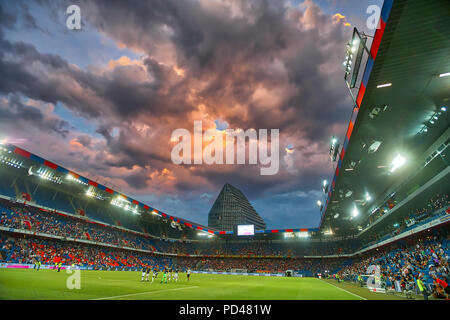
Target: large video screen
246 230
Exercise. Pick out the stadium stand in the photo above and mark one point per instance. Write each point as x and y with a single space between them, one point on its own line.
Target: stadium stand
51 227
48 251
425 257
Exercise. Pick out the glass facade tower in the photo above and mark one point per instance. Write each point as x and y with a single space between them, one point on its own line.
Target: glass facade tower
232 208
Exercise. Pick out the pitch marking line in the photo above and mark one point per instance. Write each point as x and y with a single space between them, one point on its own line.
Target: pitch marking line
148 292
353 294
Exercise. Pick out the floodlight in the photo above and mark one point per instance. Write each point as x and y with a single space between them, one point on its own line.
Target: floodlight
302 234
384 85
444 108
398 162
319 203
444 75
374 146
355 212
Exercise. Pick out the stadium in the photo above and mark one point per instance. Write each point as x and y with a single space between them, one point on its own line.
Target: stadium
384 216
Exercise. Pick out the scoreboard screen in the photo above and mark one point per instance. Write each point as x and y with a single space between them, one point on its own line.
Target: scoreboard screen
246 230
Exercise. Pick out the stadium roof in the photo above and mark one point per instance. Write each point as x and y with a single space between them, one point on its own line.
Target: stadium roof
63 177
409 56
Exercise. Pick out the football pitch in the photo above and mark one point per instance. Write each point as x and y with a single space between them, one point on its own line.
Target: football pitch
29 284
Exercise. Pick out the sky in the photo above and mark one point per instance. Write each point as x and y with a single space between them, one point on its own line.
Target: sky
104 100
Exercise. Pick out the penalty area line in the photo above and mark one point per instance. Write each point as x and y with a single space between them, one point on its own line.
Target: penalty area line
353 294
140 293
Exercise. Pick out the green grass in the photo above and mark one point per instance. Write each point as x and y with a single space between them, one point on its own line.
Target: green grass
49 284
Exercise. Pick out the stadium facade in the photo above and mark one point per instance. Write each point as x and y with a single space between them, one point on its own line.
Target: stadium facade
231 209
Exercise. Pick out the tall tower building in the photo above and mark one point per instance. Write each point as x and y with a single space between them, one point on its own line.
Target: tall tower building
232 208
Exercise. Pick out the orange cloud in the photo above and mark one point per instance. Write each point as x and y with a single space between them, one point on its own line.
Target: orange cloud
180 72
122 61
339 18
75 143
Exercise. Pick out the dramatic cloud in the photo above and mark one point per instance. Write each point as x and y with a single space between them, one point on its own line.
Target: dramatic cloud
34 114
246 64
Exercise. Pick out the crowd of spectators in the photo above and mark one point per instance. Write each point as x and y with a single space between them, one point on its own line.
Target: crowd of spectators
48 251
19 216
403 264
435 203
33 219
416 216
255 248
306 267
425 259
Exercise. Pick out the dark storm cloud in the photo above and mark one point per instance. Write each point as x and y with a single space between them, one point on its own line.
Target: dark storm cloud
227 52
130 154
138 180
12 110
69 85
21 76
254 185
132 99
233 52
84 140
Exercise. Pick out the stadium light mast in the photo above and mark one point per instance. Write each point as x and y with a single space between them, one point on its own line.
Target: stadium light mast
334 151
320 205
354 54
325 186
355 50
